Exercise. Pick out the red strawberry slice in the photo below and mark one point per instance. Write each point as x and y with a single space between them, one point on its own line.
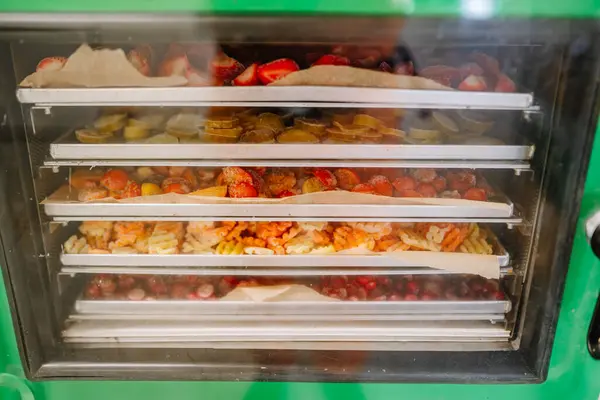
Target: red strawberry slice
505 84
248 78
332 59
225 67
274 70
473 83
51 64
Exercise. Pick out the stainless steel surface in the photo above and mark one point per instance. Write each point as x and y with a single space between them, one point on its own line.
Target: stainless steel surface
278 96
509 221
291 212
309 308
211 260
258 331
255 271
476 164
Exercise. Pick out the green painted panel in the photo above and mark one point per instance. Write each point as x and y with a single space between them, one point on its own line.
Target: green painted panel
523 8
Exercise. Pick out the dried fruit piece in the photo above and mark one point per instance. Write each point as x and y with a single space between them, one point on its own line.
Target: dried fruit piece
51 64
225 67
331 59
347 178
426 190
132 189
215 191
114 179
473 83
382 185
234 175
364 188
404 183
475 194
312 185
242 189
92 136
327 179
151 189
277 69
248 78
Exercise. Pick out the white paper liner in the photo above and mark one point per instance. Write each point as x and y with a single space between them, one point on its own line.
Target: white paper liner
98 68
275 293
66 194
337 75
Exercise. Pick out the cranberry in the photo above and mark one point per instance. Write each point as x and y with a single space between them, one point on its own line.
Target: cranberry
371 285
338 282
384 280
363 280
412 287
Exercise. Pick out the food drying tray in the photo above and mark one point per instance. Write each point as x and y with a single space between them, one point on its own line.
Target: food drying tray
68 148
325 205
277 96
307 308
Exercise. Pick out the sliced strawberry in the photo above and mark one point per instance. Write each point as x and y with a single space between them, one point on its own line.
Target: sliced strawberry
234 175
248 78
326 178
346 178
426 190
196 78
404 183
242 189
382 185
332 59
505 84
174 66
475 194
473 83
364 188
274 70
51 64
225 67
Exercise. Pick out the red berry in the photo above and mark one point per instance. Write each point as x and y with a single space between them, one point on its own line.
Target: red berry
371 285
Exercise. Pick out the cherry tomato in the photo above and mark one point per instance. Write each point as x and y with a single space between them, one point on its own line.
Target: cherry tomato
475 194
404 183
439 184
347 178
114 179
364 188
410 193
426 189
382 185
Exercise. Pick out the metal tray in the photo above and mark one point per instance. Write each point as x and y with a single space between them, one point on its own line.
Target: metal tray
280 96
69 149
173 307
212 260
99 331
